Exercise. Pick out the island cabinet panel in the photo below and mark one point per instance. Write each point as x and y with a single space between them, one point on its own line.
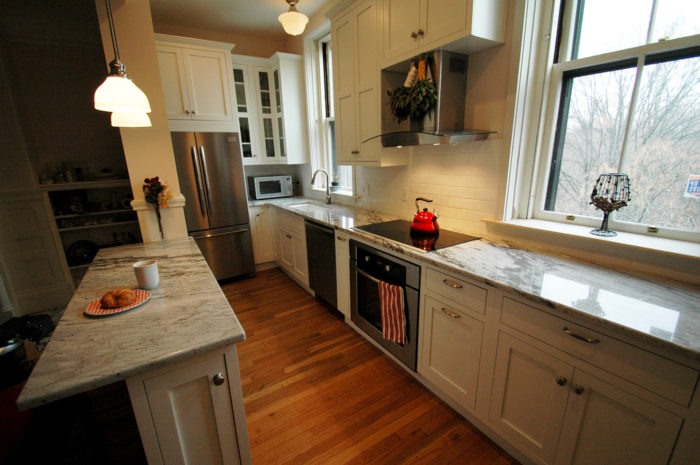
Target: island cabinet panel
193 412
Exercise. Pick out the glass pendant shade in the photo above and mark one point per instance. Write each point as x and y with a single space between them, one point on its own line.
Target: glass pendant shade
130 119
120 94
293 22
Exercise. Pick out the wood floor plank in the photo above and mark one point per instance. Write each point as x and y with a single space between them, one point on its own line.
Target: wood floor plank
316 392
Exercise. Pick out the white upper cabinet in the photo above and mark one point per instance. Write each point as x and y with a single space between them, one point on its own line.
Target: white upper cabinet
415 26
355 36
197 82
271 104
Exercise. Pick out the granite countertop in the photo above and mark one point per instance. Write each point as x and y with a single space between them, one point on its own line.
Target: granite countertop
663 315
187 314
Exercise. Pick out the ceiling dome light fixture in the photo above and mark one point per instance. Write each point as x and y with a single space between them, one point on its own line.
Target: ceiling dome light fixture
118 93
292 21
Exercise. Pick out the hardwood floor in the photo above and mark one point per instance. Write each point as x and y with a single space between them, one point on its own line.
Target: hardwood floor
317 393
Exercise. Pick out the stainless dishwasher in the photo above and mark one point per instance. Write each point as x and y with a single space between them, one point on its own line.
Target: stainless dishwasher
320 252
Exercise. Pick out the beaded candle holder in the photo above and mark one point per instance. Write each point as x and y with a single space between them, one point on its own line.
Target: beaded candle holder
610 193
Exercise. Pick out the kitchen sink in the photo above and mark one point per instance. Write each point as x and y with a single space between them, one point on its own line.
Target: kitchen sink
329 214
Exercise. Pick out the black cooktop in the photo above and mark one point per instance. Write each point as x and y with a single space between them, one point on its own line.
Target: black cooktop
400 231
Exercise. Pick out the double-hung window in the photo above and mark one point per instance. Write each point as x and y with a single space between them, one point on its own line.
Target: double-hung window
341 176
624 96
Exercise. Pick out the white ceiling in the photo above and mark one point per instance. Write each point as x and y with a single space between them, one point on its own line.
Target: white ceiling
256 17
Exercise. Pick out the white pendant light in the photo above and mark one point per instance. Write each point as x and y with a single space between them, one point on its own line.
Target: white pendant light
118 93
292 21
130 119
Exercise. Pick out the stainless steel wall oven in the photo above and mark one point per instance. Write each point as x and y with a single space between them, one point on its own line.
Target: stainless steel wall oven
367 266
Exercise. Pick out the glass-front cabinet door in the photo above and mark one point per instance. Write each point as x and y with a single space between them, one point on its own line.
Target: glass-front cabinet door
246 114
280 120
268 113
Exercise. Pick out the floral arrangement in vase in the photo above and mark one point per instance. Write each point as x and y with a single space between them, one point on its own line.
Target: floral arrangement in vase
157 194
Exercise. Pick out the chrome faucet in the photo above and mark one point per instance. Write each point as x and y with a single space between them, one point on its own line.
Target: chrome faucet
328 184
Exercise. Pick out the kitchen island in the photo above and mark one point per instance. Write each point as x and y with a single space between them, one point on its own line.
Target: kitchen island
176 353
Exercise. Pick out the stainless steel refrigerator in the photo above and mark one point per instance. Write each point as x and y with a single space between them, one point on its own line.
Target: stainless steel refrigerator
210 171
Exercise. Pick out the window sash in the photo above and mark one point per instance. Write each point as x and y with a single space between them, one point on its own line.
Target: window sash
560 73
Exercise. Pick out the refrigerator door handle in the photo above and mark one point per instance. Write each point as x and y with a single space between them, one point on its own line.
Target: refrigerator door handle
198 178
206 176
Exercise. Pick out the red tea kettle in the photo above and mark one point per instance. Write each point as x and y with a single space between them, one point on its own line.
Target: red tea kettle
424 222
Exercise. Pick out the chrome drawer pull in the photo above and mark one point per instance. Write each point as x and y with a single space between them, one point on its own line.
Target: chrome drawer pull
590 340
449 312
218 379
452 284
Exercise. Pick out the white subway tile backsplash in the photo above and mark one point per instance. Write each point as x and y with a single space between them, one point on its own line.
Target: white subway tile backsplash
462 180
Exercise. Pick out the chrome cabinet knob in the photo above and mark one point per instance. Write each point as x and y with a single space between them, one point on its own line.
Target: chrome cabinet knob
387 267
218 379
561 381
187 112
421 32
578 389
414 35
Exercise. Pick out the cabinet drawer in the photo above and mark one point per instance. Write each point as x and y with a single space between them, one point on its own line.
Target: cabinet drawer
462 293
657 374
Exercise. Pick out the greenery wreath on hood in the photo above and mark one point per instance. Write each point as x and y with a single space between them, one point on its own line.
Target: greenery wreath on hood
418 95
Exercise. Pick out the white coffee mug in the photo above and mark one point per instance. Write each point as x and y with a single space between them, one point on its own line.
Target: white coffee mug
147 274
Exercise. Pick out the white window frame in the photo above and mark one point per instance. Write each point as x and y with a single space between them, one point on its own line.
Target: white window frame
319 138
529 173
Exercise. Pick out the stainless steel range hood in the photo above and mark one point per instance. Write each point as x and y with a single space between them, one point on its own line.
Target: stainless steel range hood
443 125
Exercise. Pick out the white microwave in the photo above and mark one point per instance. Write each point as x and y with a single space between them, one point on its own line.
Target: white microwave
269 187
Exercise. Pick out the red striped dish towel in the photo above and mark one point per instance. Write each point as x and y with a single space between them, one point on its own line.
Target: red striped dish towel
391 303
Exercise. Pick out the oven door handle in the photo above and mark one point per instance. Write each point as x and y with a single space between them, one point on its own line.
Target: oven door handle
367 275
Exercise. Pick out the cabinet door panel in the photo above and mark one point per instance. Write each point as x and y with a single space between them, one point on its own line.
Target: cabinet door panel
342 263
368 125
451 351
301 264
210 98
344 59
441 19
527 403
607 426
172 73
345 128
194 412
366 28
401 19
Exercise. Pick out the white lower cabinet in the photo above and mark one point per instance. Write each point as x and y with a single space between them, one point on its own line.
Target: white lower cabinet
528 400
562 414
261 231
290 245
342 267
192 412
606 425
451 350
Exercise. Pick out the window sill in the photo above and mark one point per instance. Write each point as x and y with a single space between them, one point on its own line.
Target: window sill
667 258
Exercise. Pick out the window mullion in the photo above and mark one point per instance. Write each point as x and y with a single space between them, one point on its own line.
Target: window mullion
652 21
630 114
